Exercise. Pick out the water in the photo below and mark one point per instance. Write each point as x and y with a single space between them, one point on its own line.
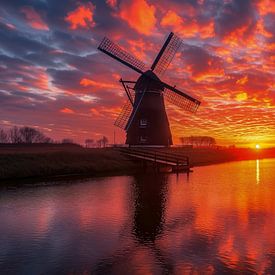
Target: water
220 219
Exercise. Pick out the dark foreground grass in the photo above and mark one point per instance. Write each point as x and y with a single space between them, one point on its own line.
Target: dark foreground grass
46 161
66 160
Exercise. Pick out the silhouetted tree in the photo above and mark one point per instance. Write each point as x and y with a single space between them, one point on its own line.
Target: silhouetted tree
198 141
99 143
14 135
26 135
67 141
104 141
89 143
3 136
32 135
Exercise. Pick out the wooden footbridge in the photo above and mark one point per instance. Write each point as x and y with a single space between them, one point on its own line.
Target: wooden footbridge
159 158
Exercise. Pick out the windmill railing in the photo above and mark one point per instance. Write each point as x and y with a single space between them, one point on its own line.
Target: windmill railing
157 156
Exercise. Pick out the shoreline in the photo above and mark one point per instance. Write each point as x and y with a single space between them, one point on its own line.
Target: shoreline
46 163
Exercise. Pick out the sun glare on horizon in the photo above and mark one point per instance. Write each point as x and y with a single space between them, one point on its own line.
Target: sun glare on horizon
257 146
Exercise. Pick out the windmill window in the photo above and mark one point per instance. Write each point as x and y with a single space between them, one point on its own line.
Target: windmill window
143 139
143 123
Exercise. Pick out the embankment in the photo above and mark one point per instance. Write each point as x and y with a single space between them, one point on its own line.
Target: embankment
46 161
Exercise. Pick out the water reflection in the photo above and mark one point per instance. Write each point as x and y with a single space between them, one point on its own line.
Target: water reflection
149 197
218 221
257 171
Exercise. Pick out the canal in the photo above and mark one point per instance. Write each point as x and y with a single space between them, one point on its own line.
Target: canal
219 219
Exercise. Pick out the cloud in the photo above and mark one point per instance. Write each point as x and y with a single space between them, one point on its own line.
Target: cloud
227 61
112 3
187 27
139 14
236 21
34 19
81 17
88 82
67 111
201 64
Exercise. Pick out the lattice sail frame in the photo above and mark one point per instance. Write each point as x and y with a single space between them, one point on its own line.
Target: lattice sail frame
125 113
163 59
110 48
180 101
168 54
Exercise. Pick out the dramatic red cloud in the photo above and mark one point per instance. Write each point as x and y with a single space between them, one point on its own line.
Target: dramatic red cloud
34 19
112 3
67 111
88 82
81 17
140 15
226 61
187 28
266 6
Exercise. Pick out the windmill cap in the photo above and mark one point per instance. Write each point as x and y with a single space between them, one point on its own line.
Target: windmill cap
149 81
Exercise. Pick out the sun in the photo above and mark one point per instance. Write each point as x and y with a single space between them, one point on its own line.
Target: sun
257 146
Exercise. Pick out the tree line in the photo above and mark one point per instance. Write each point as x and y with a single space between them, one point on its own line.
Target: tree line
89 143
29 135
23 135
198 141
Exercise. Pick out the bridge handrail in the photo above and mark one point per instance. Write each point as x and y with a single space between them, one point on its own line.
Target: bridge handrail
163 156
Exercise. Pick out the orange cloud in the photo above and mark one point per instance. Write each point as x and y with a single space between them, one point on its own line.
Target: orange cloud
242 35
139 15
34 19
81 17
67 111
85 82
111 3
241 96
266 6
262 30
189 28
242 81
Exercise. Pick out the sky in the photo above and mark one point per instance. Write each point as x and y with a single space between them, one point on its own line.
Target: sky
52 76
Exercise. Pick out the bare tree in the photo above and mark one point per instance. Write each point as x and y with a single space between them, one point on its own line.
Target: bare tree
104 141
31 135
14 135
3 136
198 141
99 143
67 141
27 135
89 143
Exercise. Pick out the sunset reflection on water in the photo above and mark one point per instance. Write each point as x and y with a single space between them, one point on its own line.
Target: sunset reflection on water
219 219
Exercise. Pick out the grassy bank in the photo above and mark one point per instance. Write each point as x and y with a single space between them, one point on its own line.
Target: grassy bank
43 161
49 161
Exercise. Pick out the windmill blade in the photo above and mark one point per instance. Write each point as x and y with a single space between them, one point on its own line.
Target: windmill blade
116 52
124 115
166 54
135 108
181 99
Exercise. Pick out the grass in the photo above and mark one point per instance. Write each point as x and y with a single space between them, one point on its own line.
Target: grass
58 161
43 161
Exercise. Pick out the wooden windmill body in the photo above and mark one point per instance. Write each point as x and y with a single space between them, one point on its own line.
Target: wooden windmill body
144 117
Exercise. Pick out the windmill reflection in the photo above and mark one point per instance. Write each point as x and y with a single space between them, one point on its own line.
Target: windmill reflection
150 191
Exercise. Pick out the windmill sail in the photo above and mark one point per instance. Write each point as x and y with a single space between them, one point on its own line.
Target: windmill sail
116 52
166 54
181 99
144 117
124 115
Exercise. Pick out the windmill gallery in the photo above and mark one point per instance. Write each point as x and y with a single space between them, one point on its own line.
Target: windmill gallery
144 117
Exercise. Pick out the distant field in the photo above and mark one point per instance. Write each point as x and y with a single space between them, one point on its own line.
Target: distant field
40 161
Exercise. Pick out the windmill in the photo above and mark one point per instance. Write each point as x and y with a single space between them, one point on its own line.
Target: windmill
144 117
